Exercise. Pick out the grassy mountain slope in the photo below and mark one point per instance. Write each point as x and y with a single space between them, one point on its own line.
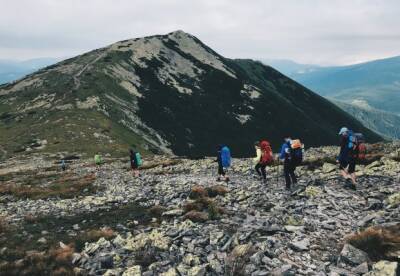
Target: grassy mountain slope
384 123
168 93
377 82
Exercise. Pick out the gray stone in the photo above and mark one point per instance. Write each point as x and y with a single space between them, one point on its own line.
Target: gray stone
284 270
352 255
256 258
302 245
361 269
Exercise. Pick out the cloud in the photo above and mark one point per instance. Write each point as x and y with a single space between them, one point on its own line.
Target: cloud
311 31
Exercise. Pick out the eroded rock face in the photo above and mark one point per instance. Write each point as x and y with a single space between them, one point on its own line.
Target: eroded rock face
263 229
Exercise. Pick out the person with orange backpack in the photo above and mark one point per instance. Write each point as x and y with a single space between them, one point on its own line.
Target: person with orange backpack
263 158
292 156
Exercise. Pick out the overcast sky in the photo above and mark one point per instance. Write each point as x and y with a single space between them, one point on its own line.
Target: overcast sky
309 31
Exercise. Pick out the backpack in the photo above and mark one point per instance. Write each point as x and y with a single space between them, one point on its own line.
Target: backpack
362 151
296 152
266 153
225 157
138 159
357 145
97 159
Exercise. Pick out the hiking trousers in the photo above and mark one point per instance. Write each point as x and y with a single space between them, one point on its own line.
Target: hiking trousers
221 170
260 169
290 176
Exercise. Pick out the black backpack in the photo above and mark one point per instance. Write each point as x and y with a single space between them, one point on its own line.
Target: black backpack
296 156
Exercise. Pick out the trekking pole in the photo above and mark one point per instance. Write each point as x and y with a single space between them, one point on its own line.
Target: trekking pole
277 172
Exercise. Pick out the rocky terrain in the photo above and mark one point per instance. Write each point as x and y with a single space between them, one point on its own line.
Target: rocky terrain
176 219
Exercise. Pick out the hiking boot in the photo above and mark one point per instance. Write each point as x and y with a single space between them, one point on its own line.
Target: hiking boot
264 181
353 187
347 183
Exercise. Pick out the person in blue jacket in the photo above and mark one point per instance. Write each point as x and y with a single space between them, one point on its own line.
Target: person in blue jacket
221 170
289 167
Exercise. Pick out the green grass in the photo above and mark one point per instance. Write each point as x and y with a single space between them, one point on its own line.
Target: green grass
71 131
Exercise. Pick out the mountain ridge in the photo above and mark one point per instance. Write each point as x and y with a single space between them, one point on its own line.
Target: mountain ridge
164 93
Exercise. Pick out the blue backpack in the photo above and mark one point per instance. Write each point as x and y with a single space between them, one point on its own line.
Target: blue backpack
226 157
352 140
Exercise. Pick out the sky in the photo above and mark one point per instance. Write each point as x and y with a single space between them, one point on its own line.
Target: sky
323 32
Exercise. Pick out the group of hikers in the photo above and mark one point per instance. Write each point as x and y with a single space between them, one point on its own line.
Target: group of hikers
291 154
352 148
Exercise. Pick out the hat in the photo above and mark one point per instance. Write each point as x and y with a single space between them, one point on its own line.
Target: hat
343 130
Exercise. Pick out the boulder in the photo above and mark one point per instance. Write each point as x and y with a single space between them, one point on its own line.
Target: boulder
353 255
328 168
361 269
302 245
385 268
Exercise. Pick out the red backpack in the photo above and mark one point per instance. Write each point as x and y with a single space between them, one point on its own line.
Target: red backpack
266 153
362 151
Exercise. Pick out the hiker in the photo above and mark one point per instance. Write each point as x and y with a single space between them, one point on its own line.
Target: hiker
263 158
347 156
289 164
63 165
98 160
224 161
136 162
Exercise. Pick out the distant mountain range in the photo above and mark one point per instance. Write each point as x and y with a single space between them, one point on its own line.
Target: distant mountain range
11 70
369 91
165 93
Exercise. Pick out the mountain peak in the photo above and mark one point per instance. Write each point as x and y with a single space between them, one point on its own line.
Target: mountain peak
179 33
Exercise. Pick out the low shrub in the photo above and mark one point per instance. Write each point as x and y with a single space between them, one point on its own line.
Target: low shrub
92 236
192 206
156 211
378 242
197 216
214 211
3 225
216 190
197 191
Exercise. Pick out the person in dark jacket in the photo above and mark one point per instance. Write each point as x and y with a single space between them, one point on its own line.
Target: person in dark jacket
289 166
133 161
346 158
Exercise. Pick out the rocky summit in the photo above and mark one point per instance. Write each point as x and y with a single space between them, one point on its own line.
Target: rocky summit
176 219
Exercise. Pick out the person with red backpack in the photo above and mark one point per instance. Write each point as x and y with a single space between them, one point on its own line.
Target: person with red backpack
352 149
263 158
